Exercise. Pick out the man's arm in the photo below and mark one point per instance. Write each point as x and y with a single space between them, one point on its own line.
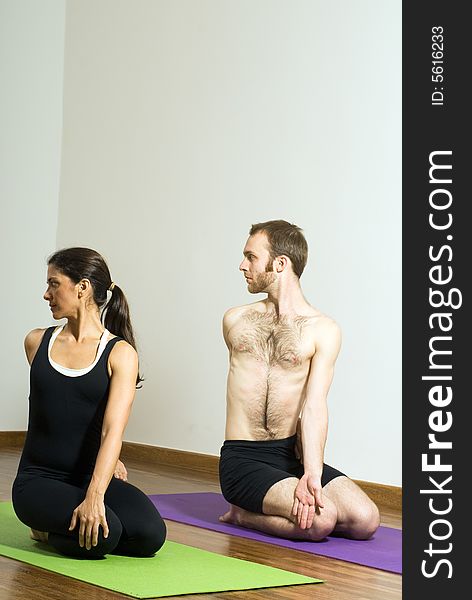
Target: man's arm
314 422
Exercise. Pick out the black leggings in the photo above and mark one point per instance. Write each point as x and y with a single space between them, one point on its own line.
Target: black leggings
135 526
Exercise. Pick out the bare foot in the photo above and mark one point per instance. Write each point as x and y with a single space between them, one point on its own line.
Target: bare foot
39 536
234 515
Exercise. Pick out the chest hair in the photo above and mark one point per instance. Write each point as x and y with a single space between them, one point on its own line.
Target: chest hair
272 339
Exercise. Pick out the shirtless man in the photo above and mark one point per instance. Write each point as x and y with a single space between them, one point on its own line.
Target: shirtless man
282 353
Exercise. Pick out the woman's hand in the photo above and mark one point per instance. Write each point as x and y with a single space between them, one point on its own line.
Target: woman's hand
90 515
120 471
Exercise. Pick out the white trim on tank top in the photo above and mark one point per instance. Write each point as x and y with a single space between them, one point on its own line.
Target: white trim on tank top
76 372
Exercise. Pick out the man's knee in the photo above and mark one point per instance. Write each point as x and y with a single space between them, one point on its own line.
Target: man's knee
364 521
323 524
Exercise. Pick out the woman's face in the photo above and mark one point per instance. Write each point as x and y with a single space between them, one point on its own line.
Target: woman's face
62 294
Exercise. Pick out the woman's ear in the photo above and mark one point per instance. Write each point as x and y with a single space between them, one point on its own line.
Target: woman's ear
83 286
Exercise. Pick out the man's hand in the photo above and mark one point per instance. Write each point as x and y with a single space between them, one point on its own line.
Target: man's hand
308 500
120 471
90 515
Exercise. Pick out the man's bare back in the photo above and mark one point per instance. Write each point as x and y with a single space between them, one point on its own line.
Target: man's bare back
270 358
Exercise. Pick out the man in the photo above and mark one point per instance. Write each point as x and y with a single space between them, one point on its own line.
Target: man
282 353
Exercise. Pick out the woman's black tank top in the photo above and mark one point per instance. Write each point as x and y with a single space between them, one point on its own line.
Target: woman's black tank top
65 416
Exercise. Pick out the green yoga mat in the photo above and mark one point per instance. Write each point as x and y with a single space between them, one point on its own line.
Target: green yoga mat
176 569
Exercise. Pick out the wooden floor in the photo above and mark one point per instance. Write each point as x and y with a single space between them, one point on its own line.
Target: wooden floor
343 581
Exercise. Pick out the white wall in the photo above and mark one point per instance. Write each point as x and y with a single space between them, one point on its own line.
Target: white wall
185 122
31 80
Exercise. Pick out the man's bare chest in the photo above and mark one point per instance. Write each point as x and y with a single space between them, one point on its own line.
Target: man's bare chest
275 341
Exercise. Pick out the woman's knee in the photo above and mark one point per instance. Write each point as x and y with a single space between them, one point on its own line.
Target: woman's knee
106 545
68 543
151 538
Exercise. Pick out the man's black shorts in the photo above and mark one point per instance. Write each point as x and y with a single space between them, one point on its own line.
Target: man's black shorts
249 468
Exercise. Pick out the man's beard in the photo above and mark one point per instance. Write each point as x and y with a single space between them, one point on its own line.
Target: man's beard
261 281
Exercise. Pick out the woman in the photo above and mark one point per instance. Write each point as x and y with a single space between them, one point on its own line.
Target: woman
82 385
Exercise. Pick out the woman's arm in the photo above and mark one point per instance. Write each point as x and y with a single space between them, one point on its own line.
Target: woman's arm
90 514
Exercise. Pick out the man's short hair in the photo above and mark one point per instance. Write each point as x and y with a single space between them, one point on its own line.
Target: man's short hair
287 239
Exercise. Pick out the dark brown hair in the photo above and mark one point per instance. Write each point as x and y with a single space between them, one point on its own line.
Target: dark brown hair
85 263
287 239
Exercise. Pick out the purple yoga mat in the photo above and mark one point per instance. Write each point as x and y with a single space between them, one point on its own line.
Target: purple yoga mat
383 551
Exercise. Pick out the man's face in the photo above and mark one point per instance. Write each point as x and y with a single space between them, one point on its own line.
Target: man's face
257 267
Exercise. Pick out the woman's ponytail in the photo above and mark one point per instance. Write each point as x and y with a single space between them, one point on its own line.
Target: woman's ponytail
116 317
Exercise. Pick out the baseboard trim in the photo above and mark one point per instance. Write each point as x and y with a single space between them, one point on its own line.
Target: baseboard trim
195 461
387 496
12 439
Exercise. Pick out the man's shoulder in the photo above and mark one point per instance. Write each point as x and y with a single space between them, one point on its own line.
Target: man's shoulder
233 316
323 326
319 318
324 321
328 336
236 312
